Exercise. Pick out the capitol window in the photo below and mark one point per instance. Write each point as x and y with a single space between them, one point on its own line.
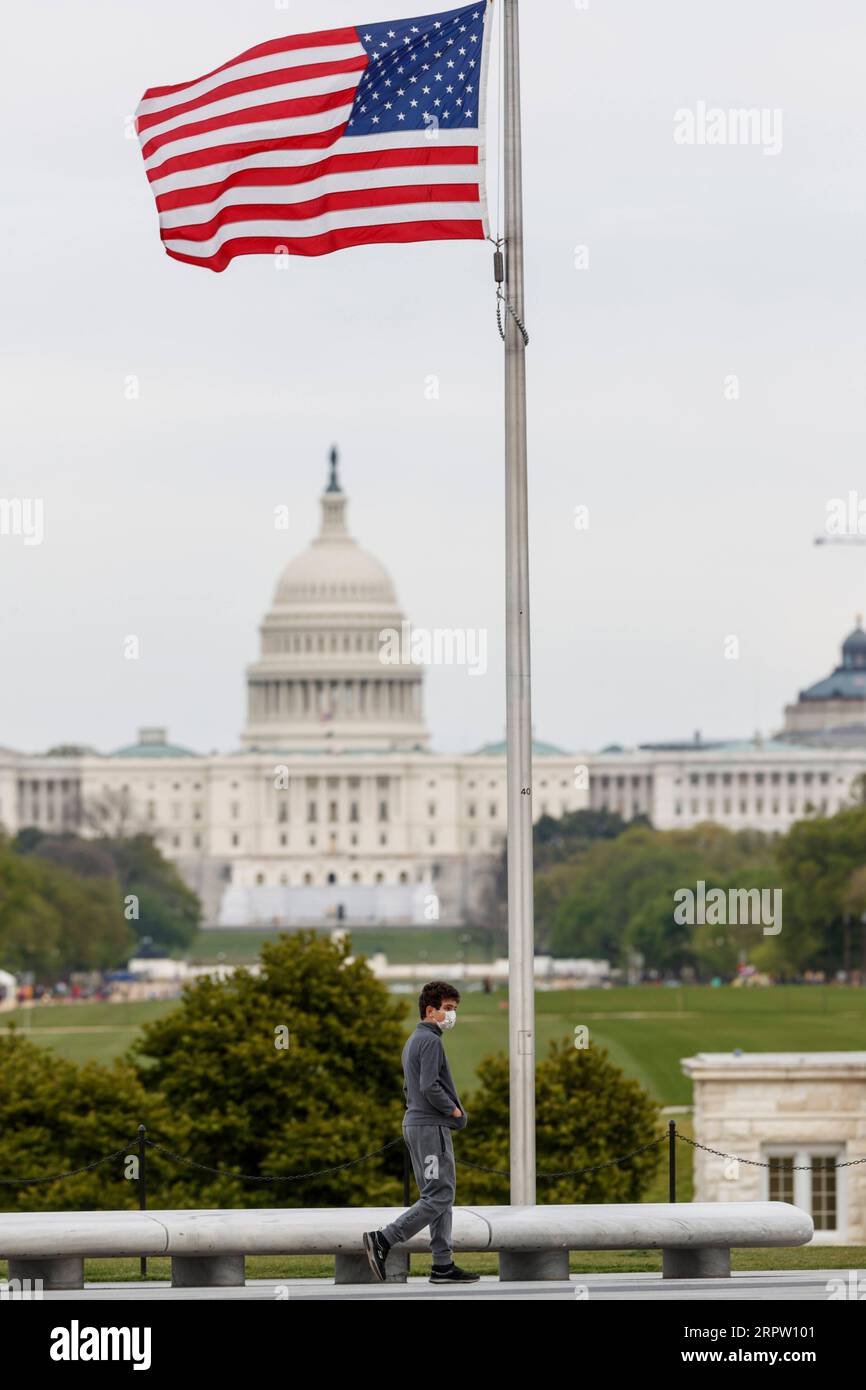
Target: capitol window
311 811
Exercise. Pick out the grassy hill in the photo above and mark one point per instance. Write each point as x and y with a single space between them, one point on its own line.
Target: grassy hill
646 1029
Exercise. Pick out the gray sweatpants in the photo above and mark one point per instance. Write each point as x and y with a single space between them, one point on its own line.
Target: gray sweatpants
432 1152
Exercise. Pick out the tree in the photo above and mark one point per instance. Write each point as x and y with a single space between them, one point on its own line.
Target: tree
620 897
819 860
56 1117
111 813
53 922
587 1113
165 909
168 911
558 846
240 1100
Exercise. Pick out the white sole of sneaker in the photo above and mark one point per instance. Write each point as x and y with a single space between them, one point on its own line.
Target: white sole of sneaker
371 1258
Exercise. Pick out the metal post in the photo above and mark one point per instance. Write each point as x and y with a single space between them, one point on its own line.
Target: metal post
142 1187
521 976
672 1160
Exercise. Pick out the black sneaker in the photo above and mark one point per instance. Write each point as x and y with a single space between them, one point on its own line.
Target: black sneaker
376 1249
452 1275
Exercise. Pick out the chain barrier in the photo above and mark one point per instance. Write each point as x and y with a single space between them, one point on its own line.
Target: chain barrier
374 1153
73 1173
568 1172
278 1177
757 1162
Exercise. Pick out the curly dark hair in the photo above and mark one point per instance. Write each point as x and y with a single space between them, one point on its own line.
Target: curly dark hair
434 993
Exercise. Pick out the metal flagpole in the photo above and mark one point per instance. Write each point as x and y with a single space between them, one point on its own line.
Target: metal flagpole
521 969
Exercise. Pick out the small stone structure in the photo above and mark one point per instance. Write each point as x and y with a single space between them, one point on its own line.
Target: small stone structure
802 1116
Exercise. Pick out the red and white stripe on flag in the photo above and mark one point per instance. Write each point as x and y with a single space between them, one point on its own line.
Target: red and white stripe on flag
315 142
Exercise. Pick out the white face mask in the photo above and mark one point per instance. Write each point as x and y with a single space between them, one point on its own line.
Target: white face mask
450 1019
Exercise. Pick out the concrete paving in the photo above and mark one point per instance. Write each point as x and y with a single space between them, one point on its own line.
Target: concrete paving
772 1285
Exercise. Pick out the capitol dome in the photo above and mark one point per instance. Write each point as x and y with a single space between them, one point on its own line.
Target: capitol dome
320 681
334 569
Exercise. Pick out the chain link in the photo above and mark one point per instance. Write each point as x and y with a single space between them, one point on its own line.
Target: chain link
353 1162
568 1172
757 1162
278 1177
55 1177
500 300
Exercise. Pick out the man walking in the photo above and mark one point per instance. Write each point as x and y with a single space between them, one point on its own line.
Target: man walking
432 1110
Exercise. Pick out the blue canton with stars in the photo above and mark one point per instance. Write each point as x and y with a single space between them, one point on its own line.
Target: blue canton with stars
422 71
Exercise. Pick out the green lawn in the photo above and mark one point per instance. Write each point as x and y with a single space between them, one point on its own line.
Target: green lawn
646 1030
438 945
84 1032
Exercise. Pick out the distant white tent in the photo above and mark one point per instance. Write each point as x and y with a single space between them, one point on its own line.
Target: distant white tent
8 990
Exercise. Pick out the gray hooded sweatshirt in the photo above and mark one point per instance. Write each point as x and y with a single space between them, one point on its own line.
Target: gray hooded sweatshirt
427 1081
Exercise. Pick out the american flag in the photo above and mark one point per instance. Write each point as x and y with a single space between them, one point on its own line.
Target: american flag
315 142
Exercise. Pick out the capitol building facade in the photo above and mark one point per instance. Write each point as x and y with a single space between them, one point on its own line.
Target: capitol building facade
335 807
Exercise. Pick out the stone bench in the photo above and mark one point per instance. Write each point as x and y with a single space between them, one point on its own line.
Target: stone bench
207 1248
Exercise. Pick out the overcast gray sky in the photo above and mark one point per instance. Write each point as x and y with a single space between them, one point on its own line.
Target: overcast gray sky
705 262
